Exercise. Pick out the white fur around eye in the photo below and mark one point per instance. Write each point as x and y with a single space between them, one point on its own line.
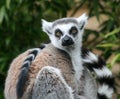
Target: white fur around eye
58 33
73 31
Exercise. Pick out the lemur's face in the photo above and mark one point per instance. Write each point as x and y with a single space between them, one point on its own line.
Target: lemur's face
65 32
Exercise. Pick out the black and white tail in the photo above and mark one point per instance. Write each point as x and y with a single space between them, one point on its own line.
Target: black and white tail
25 69
103 74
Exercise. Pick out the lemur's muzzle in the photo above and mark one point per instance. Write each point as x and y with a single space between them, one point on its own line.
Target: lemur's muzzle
67 41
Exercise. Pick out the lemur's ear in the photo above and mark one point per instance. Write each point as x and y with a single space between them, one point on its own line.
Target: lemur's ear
46 26
82 20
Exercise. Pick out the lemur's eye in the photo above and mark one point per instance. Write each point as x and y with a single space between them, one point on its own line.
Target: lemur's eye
73 30
58 33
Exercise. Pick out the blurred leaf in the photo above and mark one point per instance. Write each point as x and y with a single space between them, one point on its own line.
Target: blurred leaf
115 59
2 14
96 8
107 45
8 40
113 32
8 4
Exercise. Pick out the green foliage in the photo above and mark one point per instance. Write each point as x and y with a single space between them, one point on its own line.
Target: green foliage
20 27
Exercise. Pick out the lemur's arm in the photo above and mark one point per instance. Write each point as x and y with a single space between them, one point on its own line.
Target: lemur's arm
50 84
103 74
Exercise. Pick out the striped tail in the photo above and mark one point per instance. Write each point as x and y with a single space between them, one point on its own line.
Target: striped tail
25 70
103 74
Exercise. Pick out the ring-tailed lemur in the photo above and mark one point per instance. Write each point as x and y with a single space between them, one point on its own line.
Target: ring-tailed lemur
66 34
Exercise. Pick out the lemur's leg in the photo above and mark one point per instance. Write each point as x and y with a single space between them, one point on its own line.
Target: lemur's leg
50 84
103 74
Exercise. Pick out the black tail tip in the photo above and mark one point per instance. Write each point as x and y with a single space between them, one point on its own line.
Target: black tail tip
21 83
102 96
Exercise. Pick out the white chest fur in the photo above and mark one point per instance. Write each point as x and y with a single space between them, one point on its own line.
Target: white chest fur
77 63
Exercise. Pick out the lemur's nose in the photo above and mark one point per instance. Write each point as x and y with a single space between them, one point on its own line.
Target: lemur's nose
67 41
